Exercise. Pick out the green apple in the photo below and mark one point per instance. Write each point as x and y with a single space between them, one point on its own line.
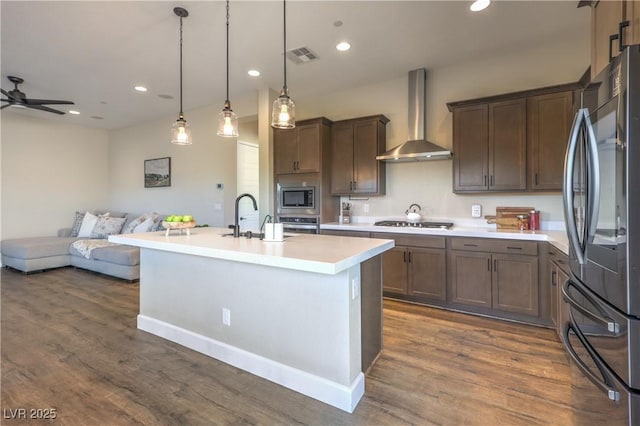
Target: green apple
169 218
187 218
177 219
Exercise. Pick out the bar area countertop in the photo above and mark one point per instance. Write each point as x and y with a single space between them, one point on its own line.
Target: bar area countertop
313 253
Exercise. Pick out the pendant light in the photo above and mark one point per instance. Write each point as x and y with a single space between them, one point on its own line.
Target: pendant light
227 119
284 110
180 131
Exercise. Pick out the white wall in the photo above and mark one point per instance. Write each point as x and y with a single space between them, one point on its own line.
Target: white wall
195 169
50 170
430 183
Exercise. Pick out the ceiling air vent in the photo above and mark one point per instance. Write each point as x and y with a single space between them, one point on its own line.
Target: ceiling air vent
301 55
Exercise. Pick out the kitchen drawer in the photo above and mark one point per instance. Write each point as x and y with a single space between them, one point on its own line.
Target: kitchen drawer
340 233
495 245
413 240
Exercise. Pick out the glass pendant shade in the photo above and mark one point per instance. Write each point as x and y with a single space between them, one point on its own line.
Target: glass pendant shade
284 112
181 132
227 123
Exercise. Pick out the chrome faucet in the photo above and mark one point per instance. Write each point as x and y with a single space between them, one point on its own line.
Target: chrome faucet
236 225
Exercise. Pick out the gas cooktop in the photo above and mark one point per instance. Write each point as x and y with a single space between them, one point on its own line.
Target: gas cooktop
406 224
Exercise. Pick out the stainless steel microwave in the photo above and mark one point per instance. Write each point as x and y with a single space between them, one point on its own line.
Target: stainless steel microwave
297 199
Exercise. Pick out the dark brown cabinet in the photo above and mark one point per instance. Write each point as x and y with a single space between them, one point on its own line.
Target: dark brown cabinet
620 19
513 142
549 119
415 267
355 144
299 150
490 147
485 274
507 145
558 274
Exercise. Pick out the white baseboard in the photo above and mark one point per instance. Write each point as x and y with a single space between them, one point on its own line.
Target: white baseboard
343 397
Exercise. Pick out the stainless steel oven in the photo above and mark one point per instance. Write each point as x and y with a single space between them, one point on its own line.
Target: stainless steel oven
300 224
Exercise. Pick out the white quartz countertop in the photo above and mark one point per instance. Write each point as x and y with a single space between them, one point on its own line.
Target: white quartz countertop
556 238
323 254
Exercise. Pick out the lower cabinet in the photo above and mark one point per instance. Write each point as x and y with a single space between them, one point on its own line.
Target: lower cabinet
558 275
487 276
415 267
493 282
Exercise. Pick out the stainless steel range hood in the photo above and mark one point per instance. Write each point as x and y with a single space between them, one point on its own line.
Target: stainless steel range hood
417 148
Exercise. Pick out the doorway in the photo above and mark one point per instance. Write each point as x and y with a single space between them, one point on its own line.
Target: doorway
248 181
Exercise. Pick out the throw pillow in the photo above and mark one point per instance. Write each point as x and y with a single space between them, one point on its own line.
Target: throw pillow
130 226
88 223
157 222
77 223
107 225
144 226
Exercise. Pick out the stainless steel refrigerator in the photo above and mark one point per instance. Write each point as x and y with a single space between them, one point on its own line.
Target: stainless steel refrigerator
602 212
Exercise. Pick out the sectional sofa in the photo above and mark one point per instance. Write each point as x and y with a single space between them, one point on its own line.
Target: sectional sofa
38 254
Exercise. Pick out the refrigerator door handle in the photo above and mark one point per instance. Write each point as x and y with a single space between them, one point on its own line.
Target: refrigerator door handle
603 384
593 172
601 317
567 187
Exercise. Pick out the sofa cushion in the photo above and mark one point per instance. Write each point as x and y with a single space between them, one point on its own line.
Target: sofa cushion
121 254
36 247
88 223
107 225
77 223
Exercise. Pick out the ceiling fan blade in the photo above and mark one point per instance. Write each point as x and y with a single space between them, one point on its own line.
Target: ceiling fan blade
47 101
4 106
44 108
4 92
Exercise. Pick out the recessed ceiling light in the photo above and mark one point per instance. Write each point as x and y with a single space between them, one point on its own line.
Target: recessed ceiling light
479 5
74 112
140 88
254 73
343 46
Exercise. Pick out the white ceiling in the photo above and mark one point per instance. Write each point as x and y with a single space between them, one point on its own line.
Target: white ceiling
93 53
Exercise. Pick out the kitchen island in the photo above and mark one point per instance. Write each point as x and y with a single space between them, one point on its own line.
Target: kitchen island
305 313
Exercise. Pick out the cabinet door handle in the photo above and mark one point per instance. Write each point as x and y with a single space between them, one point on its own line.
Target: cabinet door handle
355 185
470 245
611 38
554 279
350 185
536 179
514 248
409 257
484 180
404 257
621 26
491 180
495 264
489 265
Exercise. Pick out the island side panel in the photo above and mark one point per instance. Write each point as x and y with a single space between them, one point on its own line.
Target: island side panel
371 299
303 320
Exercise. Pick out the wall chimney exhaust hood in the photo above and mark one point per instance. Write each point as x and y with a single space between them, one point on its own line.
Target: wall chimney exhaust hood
417 148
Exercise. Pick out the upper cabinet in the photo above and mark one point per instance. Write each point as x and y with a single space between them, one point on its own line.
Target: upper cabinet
614 24
299 150
355 144
513 142
549 119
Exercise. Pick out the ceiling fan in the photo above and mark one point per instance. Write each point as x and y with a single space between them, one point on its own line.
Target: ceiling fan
18 99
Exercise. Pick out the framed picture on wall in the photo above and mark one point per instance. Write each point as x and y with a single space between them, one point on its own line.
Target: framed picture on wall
157 172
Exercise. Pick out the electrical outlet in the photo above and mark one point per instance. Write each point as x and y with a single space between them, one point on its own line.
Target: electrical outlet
226 316
366 208
476 210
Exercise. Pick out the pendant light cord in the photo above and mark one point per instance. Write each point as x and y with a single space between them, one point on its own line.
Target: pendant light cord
181 114
227 104
284 55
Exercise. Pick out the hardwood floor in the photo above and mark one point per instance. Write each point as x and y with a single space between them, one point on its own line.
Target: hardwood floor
70 343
